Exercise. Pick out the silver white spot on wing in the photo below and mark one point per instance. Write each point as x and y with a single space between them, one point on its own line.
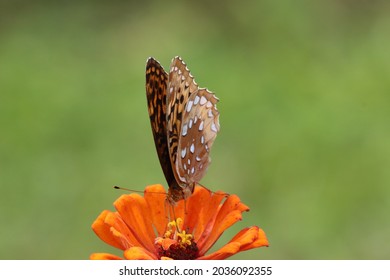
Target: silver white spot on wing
201 126
184 130
189 105
196 100
203 100
183 153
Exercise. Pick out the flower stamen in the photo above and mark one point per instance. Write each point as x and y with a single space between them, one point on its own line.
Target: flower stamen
176 243
185 239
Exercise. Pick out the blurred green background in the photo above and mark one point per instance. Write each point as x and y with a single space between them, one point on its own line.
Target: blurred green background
304 94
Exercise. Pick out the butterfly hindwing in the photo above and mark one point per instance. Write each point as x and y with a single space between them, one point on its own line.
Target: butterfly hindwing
199 129
181 86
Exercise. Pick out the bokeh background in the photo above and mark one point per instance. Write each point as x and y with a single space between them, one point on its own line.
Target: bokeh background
304 90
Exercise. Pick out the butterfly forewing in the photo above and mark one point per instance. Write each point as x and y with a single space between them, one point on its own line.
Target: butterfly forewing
156 93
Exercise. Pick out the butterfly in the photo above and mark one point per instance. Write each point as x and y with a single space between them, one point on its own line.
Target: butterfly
185 123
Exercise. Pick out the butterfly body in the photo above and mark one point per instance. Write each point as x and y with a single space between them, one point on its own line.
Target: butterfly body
185 122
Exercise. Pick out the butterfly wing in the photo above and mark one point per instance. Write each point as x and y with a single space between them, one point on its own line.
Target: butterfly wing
181 86
193 123
199 129
156 94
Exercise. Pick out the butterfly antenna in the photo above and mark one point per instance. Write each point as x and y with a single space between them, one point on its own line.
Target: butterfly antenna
136 191
126 189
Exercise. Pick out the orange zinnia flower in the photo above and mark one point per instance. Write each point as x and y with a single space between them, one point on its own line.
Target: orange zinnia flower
141 228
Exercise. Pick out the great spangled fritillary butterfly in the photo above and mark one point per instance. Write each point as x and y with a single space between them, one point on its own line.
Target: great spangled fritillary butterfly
185 122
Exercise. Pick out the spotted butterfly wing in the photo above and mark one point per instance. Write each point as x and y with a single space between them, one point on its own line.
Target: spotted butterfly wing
199 129
156 86
192 123
190 126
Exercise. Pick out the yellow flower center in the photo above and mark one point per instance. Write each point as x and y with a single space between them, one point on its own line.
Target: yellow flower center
176 243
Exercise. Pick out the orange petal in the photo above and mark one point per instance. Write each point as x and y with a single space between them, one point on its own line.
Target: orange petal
259 242
135 213
139 253
106 232
155 197
223 253
120 227
228 214
247 238
165 243
179 210
202 208
112 229
103 256
208 240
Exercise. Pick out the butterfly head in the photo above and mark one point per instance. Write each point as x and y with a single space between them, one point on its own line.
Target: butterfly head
176 192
